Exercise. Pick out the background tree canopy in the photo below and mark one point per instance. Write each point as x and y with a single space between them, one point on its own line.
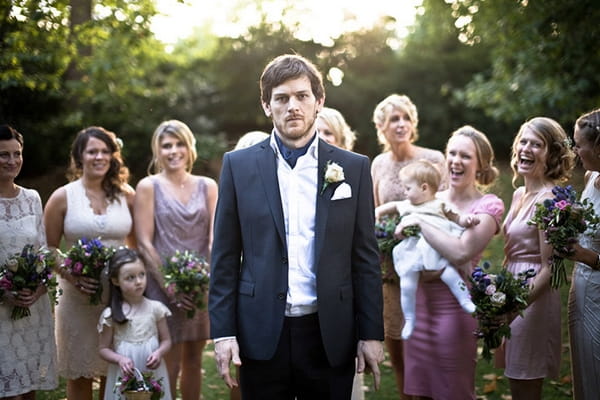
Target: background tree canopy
67 64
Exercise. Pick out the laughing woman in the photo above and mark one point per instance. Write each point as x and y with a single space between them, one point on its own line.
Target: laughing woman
541 156
584 298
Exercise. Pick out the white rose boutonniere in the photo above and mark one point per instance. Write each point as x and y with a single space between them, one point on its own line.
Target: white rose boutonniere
333 173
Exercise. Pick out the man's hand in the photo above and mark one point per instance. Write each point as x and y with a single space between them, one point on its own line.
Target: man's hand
226 351
370 354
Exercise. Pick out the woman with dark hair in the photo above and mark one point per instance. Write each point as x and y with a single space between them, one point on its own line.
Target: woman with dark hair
584 297
29 362
97 202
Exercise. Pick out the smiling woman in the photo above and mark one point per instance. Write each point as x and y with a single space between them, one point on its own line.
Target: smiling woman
324 20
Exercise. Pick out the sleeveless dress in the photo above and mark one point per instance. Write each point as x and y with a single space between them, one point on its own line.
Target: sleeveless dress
441 355
180 227
76 318
136 339
584 312
384 171
28 355
533 351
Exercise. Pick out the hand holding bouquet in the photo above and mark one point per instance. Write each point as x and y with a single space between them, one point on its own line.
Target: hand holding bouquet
28 269
563 219
88 258
185 273
140 383
385 228
496 295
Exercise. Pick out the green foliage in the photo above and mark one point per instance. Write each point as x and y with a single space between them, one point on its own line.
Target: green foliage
545 57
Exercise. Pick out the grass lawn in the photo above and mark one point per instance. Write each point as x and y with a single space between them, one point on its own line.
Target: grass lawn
490 383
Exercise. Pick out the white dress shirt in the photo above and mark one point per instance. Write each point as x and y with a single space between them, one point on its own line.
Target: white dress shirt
298 191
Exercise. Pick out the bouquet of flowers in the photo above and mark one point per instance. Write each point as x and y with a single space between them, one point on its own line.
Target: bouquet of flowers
27 270
495 295
88 257
188 274
384 232
139 383
563 219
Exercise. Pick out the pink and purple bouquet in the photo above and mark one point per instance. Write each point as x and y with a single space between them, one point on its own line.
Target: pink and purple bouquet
140 382
28 269
188 274
88 258
563 219
496 295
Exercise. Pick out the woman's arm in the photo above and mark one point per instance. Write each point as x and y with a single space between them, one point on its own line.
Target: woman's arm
211 201
54 217
143 218
541 282
461 250
131 240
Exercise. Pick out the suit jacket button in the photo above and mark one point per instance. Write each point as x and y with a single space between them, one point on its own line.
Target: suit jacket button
281 296
284 260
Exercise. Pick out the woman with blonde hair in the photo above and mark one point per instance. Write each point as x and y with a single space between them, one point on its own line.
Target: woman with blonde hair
542 157
396 121
174 212
334 130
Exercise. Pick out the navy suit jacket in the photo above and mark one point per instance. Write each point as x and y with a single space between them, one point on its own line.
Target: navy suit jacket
249 273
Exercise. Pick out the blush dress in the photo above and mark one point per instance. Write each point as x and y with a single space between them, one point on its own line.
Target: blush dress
137 339
179 226
584 312
533 351
441 355
76 318
28 350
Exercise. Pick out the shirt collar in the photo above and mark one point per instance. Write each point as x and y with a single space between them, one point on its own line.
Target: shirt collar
313 148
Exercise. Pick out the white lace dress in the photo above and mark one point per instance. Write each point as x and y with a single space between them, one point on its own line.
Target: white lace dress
136 339
76 318
28 352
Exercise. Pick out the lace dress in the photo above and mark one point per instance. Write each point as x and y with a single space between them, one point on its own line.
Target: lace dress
584 313
533 350
181 227
76 318
28 355
136 339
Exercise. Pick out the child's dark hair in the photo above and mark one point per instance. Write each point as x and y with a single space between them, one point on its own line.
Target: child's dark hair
121 257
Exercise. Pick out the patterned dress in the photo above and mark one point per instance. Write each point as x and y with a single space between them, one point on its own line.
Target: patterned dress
179 226
584 313
76 318
533 351
28 356
440 356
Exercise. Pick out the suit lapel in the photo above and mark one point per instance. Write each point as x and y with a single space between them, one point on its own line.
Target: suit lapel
267 166
323 200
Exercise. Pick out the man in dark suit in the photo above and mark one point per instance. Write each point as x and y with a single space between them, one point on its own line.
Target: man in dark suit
295 290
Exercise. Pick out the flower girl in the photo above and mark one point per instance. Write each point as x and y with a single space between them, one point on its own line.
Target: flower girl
133 329
413 254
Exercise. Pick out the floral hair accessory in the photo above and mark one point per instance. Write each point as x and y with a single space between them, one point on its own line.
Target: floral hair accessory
333 173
